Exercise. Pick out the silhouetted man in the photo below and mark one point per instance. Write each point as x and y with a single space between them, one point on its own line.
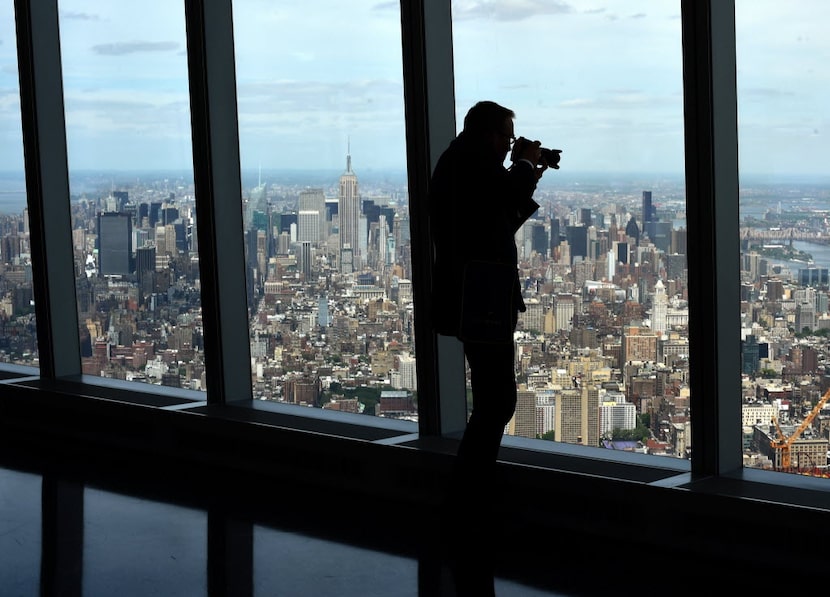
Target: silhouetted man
476 207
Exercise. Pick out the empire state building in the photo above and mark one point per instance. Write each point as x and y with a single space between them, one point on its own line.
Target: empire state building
349 212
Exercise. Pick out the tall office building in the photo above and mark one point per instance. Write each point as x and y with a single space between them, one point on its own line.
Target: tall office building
312 200
308 226
305 260
622 252
648 209
633 231
813 276
533 318
805 316
406 368
143 214
616 413
585 216
145 261
539 239
349 211
115 237
564 308
638 344
679 240
659 308
660 233
524 417
155 213
577 237
577 415
554 234
749 356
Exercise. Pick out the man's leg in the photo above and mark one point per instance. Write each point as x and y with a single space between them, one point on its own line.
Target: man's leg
493 381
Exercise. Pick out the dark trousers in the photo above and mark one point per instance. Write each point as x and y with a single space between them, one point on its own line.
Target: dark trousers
493 381
474 489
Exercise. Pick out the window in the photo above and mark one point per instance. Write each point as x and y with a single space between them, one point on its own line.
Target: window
603 348
322 151
18 340
132 196
785 201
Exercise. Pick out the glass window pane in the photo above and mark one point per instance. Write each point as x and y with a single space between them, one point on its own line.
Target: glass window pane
323 157
602 350
132 196
18 338
783 117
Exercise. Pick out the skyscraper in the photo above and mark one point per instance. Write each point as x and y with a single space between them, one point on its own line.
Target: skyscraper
648 210
577 237
308 226
349 211
659 308
115 237
577 415
539 239
524 418
312 200
564 307
585 216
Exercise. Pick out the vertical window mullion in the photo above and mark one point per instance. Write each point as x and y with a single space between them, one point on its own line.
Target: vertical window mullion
712 190
218 185
430 121
47 186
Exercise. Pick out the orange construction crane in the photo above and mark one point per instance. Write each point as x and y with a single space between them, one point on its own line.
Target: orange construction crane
783 443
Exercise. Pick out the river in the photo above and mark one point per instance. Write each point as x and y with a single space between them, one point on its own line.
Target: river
820 253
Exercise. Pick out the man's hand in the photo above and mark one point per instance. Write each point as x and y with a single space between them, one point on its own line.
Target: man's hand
524 149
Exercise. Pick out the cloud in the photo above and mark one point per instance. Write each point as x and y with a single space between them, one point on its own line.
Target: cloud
133 47
765 93
288 97
508 10
79 16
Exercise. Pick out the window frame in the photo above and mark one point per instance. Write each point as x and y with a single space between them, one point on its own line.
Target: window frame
710 124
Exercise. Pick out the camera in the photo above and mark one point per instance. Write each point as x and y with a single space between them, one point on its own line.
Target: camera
548 156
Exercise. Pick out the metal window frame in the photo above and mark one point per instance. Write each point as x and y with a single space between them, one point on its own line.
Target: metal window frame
711 137
711 174
47 187
217 176
429 96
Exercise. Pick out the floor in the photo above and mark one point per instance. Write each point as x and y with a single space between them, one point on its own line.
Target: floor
66 531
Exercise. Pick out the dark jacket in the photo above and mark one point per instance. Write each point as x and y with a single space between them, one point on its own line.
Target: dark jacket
476 207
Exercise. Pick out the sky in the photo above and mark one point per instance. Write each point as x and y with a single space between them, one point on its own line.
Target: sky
599 79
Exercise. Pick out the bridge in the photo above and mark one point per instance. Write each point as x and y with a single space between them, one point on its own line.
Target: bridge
784 235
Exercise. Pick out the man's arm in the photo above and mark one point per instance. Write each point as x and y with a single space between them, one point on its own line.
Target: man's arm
522 182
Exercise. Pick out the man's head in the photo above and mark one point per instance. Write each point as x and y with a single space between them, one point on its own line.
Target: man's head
491 125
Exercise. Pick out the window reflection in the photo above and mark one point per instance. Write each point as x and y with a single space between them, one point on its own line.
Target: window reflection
18 339
322 146
602 350
132 198
785 201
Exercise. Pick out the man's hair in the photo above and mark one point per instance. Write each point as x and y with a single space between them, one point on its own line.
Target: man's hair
486 117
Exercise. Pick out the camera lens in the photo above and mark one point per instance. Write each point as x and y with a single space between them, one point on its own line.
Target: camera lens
551 157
